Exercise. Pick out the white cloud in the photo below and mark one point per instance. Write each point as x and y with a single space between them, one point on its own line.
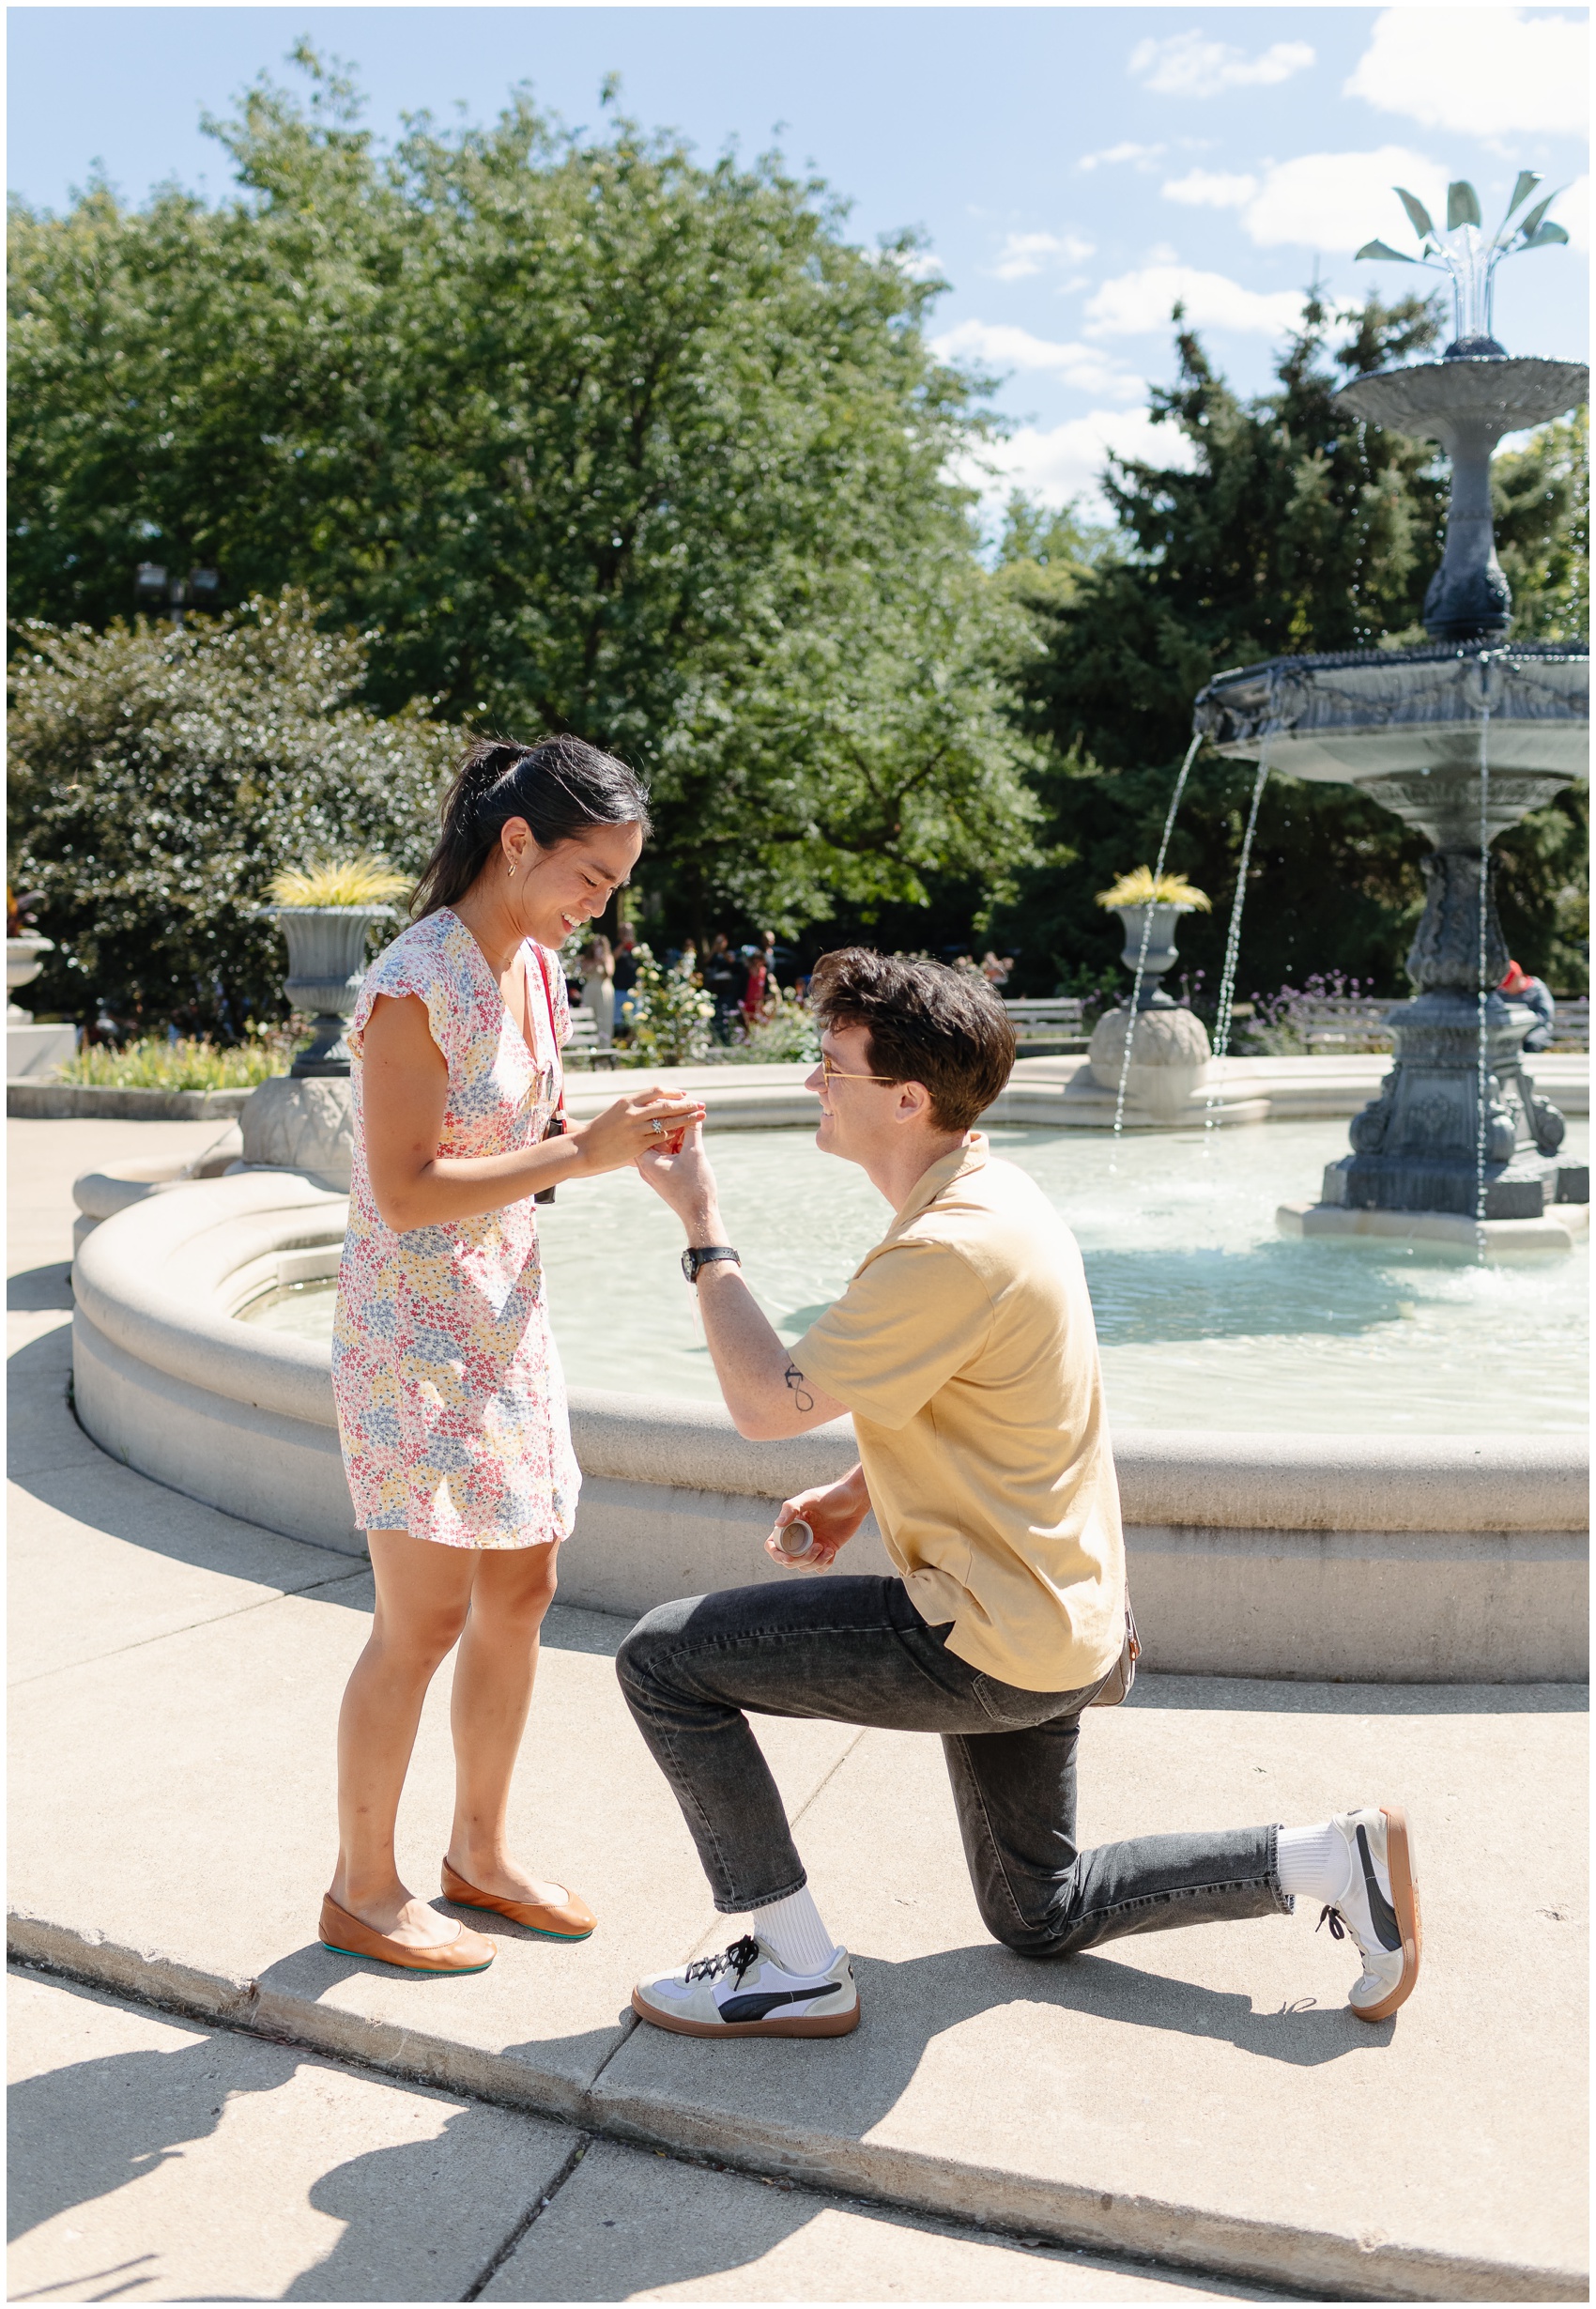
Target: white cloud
1061 462
919 264
1024 253
1205 188
1189 64
1572 209
1484 71
1336 201
1138 303
1113 155
995 345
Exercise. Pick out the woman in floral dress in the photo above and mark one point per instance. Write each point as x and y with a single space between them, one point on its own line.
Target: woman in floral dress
451 1405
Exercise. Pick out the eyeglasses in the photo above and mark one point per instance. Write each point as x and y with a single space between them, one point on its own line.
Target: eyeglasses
834 1073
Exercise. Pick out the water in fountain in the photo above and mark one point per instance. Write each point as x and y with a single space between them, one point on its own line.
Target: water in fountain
1232 942
1482 990
1146 940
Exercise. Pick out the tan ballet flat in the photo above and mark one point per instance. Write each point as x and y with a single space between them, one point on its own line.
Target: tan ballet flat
568 1920
345 1935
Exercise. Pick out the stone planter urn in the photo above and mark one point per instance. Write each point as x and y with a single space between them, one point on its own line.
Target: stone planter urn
304 1120
1161 951
327 954
1169 1049
22 965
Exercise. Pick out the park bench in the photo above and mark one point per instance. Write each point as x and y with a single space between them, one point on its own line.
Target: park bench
583 1051
1333 1022
1048 1023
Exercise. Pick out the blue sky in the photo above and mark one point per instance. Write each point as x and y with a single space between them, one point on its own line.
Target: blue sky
1074 169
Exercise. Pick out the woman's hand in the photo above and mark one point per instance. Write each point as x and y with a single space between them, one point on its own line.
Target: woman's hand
627 1132
833 1512
404 1098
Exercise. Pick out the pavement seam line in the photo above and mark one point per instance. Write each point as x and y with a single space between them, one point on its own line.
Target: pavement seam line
511 2243
142 1643
1410 2273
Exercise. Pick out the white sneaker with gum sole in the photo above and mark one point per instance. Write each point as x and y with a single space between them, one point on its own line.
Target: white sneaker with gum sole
1378 1909
745 1991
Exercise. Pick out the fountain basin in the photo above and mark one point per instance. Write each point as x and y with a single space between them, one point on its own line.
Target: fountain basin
1407 726
1414 1557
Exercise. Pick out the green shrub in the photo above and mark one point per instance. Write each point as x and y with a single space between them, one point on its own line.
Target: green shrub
161 775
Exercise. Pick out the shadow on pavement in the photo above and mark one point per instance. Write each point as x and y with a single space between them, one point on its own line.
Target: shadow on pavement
86 1482
40 1290
81 2131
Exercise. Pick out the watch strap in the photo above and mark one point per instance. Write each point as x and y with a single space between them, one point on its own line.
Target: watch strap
692 1261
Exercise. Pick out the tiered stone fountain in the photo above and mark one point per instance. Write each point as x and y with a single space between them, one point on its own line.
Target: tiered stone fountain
1461 738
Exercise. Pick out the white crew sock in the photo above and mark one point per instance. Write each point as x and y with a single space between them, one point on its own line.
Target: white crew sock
792 1932
1312 1861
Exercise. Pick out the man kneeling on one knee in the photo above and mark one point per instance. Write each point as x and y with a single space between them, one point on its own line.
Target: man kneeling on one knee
965 1350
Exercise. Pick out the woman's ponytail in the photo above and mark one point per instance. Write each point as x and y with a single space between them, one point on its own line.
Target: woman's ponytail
560 788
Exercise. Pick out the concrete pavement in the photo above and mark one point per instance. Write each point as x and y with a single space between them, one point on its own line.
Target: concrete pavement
155 2159
1201 2096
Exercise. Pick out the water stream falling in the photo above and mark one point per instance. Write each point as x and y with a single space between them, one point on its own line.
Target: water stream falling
1482 968
1233 943
1147 941
1362 634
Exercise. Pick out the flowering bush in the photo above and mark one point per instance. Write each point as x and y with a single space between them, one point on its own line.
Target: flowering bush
669 1014
786 1031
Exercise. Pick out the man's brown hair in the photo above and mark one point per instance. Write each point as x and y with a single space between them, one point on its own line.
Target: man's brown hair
927 1023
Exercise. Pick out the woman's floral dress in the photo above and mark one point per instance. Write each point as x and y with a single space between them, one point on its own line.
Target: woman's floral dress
451 1400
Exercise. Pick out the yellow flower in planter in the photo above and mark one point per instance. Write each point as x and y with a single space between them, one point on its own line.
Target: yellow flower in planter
364 881
1137 888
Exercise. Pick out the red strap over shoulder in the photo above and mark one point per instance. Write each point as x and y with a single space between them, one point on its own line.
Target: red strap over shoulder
553 1031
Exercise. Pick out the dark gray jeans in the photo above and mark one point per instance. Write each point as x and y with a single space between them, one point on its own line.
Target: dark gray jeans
855 1650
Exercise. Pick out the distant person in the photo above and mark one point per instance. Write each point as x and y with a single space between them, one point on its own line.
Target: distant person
1535 995
996 970
756 986
625 963
724 977
449 1400
964 1348
598 988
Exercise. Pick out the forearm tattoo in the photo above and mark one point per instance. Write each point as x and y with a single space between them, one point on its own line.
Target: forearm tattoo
800 1395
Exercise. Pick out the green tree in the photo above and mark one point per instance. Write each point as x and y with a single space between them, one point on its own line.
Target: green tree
161 776
1293 528
586 433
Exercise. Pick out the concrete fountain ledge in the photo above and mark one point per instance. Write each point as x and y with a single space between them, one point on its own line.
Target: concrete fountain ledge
1408 1559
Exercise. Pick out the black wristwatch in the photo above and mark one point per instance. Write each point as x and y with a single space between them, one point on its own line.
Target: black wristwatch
693 1260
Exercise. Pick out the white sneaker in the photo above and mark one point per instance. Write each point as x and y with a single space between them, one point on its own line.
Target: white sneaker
1378 1909
745 1991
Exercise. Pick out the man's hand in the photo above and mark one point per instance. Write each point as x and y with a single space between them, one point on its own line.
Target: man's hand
762 1386
833 1513
680 1175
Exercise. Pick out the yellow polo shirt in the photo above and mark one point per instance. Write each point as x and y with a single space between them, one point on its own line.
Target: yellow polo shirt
965 1349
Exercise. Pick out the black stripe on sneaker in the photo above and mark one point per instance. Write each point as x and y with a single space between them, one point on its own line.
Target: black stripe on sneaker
759 2007
1380 1909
